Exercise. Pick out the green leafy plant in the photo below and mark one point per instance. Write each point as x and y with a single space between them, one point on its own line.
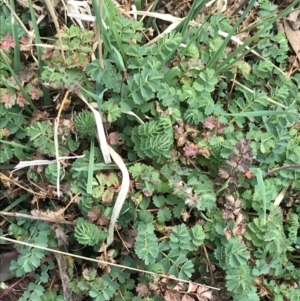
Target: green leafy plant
88 234
154 138
85 123
209 132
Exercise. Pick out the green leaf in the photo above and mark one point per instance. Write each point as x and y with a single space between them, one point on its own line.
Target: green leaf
143 85
41 134
5 153
87 233
182 268
206 82
154 138
197 235
86 124
108 76
12 118
239 280
180 238
164 215
236 253
146 245
28 260
159 200
193 116
103 288
112 110
168 95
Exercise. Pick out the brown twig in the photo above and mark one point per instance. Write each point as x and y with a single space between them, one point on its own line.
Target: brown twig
209 264
240 7
40 218
4 177
280 168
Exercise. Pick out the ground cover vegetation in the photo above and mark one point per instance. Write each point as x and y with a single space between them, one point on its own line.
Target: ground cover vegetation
159 157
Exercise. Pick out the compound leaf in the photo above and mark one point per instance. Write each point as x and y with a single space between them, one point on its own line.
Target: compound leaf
146 245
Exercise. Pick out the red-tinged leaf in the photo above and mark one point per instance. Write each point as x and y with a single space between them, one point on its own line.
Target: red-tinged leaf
103 220
187 298
114 138
190 150
8 42
170 296
108 179
34 92
112 179
147 193
47 54
21 101
233 160
142 290
25 40
222 127
93 214
192 287
26 43
210 122
7 97
203 293
249 174
107 196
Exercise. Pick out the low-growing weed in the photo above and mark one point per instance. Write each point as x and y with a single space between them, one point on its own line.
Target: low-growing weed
210 138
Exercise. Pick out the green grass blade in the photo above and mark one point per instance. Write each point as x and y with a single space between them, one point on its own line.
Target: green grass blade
17 56
19 200
46 94
112 14
16 145
151 20
97 166
91 168
195 9
225 64
100 22
138 4
262 188
216 56
259 113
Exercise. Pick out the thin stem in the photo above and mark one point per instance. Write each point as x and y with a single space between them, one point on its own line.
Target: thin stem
280 168
100 261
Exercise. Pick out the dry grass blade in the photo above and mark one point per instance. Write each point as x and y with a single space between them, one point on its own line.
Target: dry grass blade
99 261
65 280
100 130
35 217
54 19
121 196
282 194
293 37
